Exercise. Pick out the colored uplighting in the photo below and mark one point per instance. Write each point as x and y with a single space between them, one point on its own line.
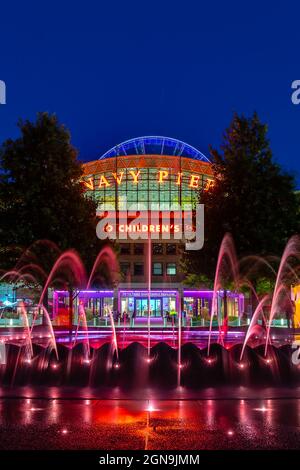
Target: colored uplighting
263 409
210 361
150 408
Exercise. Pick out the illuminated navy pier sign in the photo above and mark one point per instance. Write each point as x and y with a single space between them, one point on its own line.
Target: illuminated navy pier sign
162 177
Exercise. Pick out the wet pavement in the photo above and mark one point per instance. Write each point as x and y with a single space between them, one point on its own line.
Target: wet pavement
34 423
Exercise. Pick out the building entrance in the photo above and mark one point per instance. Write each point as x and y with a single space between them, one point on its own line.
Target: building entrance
141 307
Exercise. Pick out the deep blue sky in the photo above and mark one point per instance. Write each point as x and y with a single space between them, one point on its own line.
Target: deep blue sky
118 69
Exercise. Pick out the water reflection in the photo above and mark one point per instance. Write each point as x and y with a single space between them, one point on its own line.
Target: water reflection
150 424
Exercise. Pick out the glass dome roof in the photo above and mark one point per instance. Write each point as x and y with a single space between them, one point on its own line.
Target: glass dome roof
155 145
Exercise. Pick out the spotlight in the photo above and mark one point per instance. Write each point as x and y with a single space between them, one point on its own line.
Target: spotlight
150 408
180 366
148 359
268 361
116 365
87 361
28 360
262 408
54 366
64 431
230 433
209 360
241 366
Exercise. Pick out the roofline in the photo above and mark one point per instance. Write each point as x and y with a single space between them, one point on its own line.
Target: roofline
202 156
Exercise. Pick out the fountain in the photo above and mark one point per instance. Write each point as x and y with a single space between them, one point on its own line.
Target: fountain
182 355
226 251
82 319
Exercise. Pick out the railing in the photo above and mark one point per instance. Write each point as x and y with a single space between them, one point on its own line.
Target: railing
7 322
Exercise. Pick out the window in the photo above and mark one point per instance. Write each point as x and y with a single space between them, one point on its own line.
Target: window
125 248
171 249
157 269
125 268
157 249
138 269
171 269
138 248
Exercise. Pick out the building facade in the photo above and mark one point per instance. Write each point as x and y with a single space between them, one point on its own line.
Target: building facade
128 180
141 172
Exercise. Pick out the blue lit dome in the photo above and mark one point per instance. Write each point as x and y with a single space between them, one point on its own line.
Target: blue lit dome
155 145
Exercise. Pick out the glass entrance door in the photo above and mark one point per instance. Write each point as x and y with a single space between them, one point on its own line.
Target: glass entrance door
141 307
155 307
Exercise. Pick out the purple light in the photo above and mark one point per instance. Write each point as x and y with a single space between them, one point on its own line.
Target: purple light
145 292
209 293
86 292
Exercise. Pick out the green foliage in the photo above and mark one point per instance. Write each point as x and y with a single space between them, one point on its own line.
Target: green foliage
264 286
252 198
198 280
40 191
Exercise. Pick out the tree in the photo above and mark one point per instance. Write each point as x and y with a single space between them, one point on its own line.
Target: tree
252 198
41 194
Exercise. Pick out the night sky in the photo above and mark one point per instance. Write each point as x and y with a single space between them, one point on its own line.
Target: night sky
119 69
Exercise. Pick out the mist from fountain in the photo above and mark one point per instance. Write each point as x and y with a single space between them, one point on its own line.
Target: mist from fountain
252 325
292 249
27 328
82 320
227 251
114 334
